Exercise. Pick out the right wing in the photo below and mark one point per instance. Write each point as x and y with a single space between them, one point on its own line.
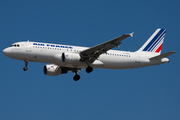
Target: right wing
93 53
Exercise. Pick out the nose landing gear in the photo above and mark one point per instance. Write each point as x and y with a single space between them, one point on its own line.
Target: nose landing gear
25 68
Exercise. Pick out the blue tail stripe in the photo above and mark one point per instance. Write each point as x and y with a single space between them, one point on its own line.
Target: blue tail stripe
158 39
153 41
157 43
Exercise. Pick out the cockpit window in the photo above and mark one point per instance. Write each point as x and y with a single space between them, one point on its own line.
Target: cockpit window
15 45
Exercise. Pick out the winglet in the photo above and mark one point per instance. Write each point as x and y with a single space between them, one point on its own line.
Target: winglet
131 34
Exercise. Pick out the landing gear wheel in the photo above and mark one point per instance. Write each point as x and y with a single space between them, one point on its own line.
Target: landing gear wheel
89 69
76 77
26 64
25 68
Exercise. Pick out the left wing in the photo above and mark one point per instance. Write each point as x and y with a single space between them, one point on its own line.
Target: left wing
91 54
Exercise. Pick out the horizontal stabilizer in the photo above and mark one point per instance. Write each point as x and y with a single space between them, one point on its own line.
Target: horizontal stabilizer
163 55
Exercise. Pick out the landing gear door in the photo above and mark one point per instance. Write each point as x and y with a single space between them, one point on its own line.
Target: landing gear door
137 58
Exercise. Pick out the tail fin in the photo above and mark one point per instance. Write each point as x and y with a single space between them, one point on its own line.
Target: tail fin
155 42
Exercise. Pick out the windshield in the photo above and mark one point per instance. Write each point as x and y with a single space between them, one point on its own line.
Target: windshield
15 45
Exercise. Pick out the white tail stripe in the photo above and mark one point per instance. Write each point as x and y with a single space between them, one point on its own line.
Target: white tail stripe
157 44
154 43
155 40
160 43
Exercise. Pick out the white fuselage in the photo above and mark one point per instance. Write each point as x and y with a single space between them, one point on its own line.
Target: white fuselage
51 53
64 58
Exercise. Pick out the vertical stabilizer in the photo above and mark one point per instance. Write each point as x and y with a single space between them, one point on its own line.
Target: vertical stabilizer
155 42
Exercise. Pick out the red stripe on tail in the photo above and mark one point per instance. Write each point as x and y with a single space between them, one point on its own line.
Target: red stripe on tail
159 49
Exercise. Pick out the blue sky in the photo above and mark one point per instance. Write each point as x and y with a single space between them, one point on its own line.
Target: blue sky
138 94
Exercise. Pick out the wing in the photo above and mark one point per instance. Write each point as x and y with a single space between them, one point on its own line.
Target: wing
93 53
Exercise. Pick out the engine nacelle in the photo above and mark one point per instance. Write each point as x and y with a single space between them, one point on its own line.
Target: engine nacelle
70 57
53 70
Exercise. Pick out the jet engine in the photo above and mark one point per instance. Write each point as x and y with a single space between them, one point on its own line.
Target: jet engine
53 70
70 57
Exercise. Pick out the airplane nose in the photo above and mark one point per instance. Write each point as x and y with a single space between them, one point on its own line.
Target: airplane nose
5 51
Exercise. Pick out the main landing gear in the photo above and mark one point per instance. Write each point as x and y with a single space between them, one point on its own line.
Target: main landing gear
89 69
77 77
26 63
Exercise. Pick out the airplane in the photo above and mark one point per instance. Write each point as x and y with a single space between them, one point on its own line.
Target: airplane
64 58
